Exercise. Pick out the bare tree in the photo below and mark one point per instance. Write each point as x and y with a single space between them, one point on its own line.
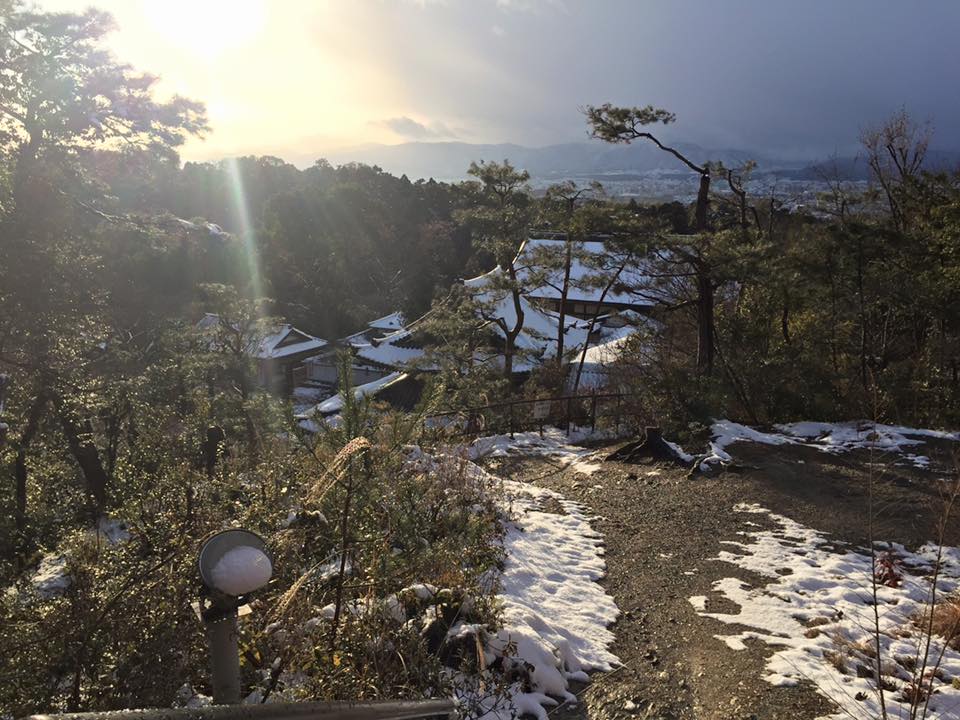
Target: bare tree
624 125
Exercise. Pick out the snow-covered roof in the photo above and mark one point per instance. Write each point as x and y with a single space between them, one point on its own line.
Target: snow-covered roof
286 341
580 289
388 351
393 321
610 349
537 341
539 334
280 341
335 403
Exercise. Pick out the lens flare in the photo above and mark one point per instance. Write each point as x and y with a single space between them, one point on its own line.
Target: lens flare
247 232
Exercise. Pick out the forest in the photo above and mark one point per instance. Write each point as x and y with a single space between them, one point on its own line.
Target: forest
112 248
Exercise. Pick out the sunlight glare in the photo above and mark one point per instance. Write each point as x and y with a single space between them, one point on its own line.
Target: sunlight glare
206 28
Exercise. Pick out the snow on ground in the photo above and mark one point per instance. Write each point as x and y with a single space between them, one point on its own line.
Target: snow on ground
52 576
554 443
556 617
817 611
828 437
555 614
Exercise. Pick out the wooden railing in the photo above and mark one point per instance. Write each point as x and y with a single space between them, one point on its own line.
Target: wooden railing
385 710
512 416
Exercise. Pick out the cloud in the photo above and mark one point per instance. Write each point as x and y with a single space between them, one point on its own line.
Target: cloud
498 31
409 128
532 5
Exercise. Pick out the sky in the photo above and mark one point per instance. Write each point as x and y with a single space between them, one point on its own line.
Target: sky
298 78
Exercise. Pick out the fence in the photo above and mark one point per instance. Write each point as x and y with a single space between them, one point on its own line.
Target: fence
386 710
514 416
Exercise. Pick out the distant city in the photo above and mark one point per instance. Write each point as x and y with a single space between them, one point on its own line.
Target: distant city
639 170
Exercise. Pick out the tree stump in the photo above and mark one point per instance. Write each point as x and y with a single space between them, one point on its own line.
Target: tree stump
652 446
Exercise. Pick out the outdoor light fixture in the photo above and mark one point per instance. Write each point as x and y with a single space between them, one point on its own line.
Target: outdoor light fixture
233 564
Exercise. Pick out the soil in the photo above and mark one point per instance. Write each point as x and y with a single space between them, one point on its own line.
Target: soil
662 530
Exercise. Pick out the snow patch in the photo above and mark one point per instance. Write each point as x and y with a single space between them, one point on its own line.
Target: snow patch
52 577
555 614
817 611
553 443
827 437
699 602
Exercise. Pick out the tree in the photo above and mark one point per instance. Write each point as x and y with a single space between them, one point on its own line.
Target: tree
499 213
624 125
61 93
564 210
896 152
62 97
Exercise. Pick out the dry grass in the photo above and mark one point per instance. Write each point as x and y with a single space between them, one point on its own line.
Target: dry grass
946 620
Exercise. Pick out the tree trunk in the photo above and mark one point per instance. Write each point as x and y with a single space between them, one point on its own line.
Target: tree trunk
508 350
705 307
512 335
86 455
20 464
785 318
593 322
561 332
23 170
703 203
705 288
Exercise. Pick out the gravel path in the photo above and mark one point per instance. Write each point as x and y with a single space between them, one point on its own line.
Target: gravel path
662 530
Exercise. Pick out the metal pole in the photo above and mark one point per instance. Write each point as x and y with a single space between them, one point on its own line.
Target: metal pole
224 656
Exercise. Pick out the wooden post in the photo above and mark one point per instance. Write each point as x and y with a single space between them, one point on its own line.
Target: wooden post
569 411
619 397
593 412
511 420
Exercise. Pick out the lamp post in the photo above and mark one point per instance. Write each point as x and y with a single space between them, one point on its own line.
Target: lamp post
233 564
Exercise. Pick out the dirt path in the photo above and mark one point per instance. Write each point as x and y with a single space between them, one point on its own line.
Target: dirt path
662 530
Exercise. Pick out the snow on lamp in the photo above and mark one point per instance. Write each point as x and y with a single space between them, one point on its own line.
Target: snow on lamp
233 563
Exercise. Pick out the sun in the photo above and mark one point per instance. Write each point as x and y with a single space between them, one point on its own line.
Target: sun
206 28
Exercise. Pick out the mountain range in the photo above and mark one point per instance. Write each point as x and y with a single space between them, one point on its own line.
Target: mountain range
450 160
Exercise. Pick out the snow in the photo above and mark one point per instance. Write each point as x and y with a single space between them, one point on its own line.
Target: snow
241 570
827 437
190 698
393 321
270 345
114 531
681 453
386 352
599 357
556 616
699 602
579 288
821 611
52 577
554 443
335 403
539 333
